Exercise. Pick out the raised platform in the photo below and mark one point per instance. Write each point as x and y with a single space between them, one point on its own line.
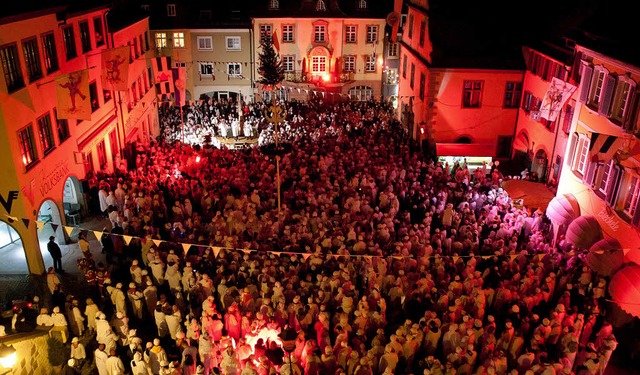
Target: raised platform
234 144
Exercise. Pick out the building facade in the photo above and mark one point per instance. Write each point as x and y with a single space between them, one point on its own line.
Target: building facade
602 158
452 102
45 157
326 47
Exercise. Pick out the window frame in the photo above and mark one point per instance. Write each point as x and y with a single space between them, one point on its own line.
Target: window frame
422 85
317 62
62 127
99 34
372 34
289 60
471 94
233 38
631 201
288 36
621 104
32 58
94 100
393 50
349 60
101 150
161 39
410 28
580 158
171 10
351 36
274 4
423 32
266 30
50 52
513 95
370 64
319 33
27 145
412 75
204 38
45 133
69 41
178 39
234 75
404 66
10 60
85 36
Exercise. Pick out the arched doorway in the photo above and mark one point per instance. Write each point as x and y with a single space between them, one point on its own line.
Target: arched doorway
539 164
14 259
49 224
73 201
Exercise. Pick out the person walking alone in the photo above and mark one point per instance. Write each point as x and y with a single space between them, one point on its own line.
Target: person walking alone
56 254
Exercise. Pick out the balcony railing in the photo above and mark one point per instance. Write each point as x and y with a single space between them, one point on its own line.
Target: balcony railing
306 77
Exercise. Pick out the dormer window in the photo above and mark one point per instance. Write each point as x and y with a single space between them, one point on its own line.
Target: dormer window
171 10
274 4
362 4
320 6
144 7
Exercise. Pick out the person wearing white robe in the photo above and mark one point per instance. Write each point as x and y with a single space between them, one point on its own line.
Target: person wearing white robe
119 299
140 367
173 276
161 321
100 357
114 364
174 322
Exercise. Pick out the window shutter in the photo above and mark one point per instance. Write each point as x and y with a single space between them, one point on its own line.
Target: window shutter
590 173
613 188
636 215
575 69
607 95
572 149
585 82
631 116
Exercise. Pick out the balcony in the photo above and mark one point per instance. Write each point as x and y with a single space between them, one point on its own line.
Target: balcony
299 76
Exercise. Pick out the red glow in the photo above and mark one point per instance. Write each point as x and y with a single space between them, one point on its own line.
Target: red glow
326 77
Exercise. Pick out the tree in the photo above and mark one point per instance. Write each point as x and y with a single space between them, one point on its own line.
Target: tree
270 68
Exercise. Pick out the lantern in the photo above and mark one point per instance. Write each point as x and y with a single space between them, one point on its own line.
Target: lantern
624 289
584 231
562 210
605 256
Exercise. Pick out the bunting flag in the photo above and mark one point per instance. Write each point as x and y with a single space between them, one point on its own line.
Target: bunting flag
26 222
306 256
72 96
98 234
513 257
54 227
485 257
127 239
555 97
603 147
246 251
540 256
115 68
216 251
186 247
68 229
40 225
163 77
180 85
157 242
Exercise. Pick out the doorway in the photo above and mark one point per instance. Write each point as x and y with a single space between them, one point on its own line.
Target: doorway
74 201
539 164
14 259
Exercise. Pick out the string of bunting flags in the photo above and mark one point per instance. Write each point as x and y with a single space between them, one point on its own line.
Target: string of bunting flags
216 249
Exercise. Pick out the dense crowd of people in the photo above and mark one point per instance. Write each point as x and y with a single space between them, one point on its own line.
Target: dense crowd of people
378 261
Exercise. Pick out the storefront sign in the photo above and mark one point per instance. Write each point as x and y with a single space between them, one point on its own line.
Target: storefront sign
52 179
608 219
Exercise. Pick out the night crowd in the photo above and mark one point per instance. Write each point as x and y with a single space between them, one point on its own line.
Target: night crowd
380 260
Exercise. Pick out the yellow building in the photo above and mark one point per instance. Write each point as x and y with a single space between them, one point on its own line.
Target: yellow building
326 48
44 159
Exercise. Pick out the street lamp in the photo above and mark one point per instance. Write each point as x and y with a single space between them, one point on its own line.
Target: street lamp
288 337
7 357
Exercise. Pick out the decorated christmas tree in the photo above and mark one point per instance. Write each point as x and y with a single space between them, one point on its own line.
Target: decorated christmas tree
270 69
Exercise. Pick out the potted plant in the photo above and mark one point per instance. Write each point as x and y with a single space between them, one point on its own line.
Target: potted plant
57 354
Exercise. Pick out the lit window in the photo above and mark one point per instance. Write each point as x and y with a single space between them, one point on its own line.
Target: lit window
233 43
178 40
69 42
161 40
99 31
206 69
50 53
274 4
63 127
362 4
472 94
393 49
85 36
621 105
27 146
205 43
361 93
632 194
318 64
320 6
